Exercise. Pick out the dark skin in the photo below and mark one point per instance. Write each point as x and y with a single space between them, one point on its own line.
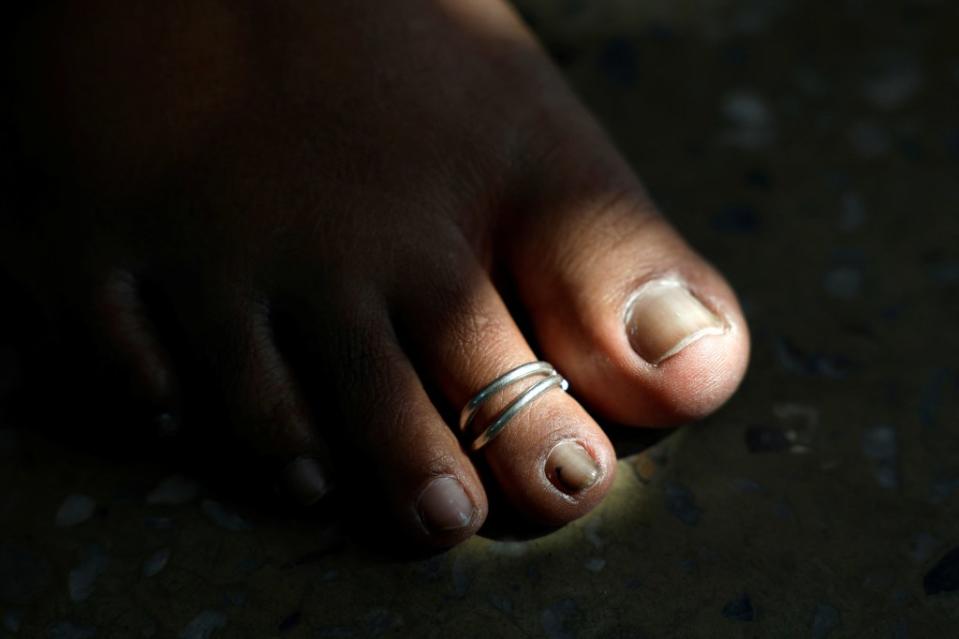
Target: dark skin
304 214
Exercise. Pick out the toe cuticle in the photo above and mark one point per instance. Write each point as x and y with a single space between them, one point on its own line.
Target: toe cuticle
664 317
571 468
444 506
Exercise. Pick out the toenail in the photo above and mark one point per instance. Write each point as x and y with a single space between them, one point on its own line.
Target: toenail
304 481
664 317
571 468
444 506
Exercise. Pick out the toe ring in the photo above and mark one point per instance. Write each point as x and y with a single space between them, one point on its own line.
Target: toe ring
469 412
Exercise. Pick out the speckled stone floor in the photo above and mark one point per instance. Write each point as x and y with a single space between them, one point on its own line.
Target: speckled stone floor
811 149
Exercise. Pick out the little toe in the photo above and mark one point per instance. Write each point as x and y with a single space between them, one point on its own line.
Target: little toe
124 329
239 386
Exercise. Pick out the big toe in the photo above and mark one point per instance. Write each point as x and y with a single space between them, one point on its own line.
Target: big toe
648 332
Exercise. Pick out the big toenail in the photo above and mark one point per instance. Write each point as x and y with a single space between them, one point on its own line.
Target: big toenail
304 481
445 506
571 468
664 317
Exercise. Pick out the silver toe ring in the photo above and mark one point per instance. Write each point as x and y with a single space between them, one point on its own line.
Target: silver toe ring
469 412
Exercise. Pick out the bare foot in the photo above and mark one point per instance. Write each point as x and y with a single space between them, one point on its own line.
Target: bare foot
327 200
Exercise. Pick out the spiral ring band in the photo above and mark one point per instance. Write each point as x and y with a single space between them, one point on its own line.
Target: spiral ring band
468 415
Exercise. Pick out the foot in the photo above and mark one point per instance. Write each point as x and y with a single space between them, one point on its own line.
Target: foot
330 221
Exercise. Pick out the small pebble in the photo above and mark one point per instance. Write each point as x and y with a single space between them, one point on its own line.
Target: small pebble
75 510
158 523
67 630
900 630
844 282
156 562
894 83
852 213
783 511
82 579
595 565
751 122
940 383
924 546
944 576
756 18
558 618
797 360
681 502
290 622
380 620
224 518
501 603
174 491
333 632
825 619
776 439
462 573
508 548
804 416
746 486
11 621
745 108
869 140
644 468
879 444
739 609
592 528
945 272
204 625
